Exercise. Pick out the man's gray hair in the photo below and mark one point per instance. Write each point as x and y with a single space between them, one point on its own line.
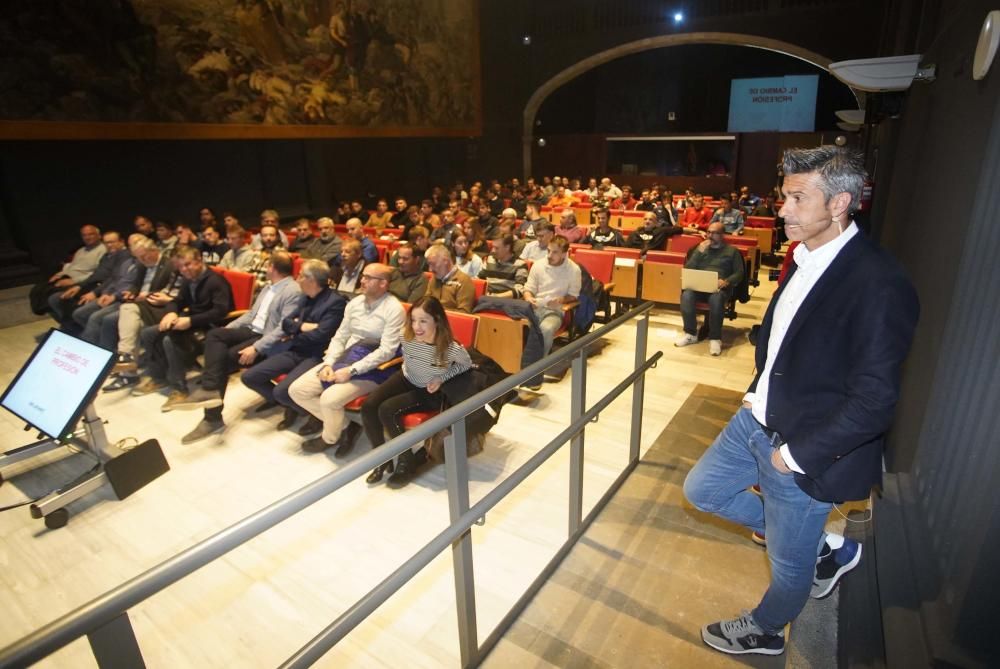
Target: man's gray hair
840 170
317 270
144 243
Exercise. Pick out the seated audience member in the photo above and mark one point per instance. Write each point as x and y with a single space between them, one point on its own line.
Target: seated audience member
461 216
506 228
171 345
476 237
342 213
732 219
569 229
613 191
687 199
269 217
428 217
494 201
77 270
604 235
652 236
165 237
448 284
697 216
431 356
206 217
186 236
412 220
270 242
487 221
105 295
307 332
518 202
532 217
356 231
562 198
465 260
326 247
408 282
358 210
712 254
144 226
645 202
381 218
766 208
158 284
229 220
747 201
211 246
664 209
444 232
508 215
504 272
400 215
626 201
303 236
347 275
368 337
240 256
552 282
591 189
253 336
538 248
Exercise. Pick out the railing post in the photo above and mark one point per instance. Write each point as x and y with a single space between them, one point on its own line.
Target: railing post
114 645
638 389
457 470
578 401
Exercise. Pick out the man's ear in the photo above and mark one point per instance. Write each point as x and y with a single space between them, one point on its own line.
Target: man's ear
839 205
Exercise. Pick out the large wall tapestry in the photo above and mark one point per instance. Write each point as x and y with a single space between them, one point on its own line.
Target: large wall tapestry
238 68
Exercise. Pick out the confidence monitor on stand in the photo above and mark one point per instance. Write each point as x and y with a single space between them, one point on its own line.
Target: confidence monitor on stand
51 393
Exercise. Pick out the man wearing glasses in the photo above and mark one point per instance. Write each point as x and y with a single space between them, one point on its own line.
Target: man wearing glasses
368 336
712 254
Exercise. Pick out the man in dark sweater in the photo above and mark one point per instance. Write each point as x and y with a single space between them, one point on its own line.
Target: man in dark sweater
308 330
652 236
202 302
712 254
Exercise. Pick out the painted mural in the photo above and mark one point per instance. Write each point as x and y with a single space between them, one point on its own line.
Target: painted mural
356 64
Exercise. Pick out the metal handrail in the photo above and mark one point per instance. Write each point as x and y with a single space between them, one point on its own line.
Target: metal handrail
106 608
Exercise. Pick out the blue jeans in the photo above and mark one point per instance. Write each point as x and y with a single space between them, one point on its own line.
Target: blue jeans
792 520
259 378
91 317
716 310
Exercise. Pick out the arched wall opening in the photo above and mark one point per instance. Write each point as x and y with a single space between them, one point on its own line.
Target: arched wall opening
697 38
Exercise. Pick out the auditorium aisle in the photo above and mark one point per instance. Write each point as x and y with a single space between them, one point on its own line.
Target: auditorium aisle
258 604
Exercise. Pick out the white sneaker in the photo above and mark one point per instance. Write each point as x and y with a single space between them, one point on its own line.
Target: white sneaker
715 346
686 340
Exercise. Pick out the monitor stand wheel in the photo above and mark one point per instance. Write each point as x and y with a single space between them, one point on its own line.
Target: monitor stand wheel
57 519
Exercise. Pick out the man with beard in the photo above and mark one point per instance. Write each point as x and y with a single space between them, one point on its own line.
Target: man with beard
327 246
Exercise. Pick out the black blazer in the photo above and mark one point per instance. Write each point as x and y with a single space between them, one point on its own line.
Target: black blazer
834 384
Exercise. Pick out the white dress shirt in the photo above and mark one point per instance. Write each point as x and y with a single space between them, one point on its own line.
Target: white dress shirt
810 267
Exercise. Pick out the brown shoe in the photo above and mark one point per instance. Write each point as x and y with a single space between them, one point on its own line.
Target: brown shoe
148 386
173 399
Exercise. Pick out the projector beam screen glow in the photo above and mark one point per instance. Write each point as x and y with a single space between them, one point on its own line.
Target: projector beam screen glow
773 104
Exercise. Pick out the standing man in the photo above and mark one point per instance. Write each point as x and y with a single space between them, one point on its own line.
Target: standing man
716 255
812 425
369 335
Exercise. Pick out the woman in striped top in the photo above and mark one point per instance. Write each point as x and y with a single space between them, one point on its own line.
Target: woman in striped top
431 356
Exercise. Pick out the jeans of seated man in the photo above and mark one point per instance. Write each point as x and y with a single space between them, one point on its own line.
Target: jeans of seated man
91 318
793 522
222 354
260 377
717 302
169 354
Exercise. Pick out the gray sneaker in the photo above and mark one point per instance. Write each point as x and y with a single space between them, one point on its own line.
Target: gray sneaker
205 428
200 398
742 635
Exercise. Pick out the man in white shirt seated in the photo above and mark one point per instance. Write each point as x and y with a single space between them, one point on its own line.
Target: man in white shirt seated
77 270
368 336
538 248
247 340
552 282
